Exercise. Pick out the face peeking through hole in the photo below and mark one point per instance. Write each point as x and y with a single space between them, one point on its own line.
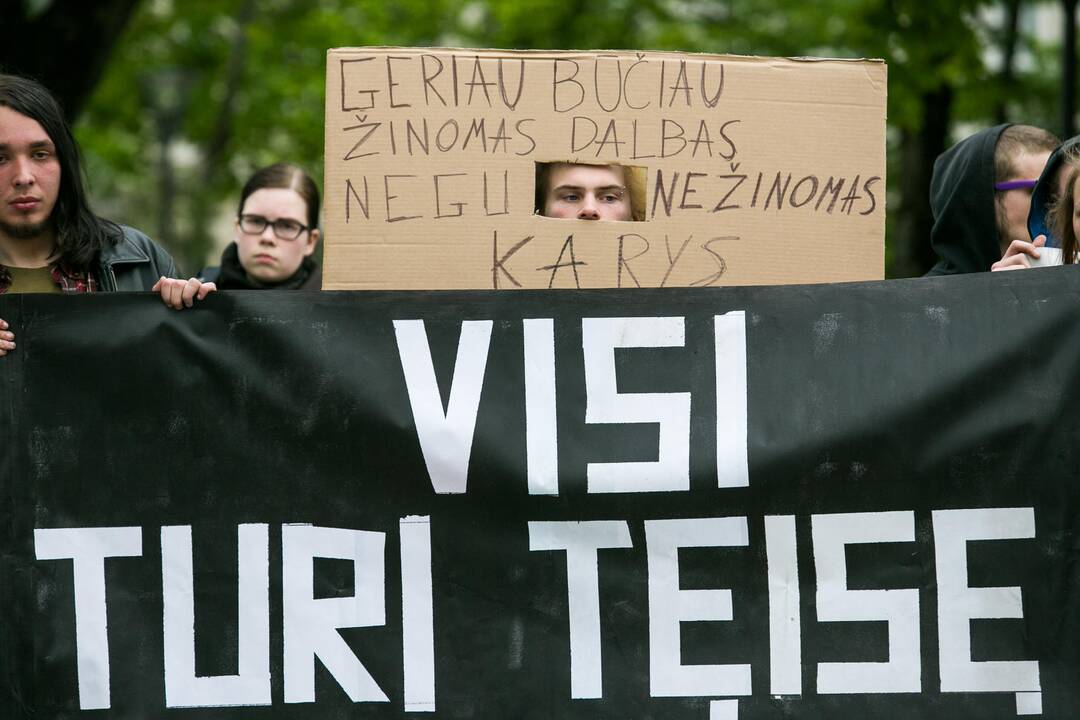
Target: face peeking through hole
587 192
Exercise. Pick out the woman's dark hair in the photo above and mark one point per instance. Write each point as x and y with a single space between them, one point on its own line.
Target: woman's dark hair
288 177
80 234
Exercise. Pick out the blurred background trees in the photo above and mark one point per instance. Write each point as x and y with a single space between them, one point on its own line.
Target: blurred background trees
176 102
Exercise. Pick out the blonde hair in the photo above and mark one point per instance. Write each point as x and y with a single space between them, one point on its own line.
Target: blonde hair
635 186
1017 140
633 176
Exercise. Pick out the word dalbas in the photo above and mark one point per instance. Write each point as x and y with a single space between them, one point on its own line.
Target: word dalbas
757 170
703 503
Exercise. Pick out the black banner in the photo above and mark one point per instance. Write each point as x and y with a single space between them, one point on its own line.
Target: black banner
801 502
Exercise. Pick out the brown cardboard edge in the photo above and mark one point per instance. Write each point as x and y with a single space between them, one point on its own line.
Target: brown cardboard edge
496 52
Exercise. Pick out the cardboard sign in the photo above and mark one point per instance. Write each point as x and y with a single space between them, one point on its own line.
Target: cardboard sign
756 170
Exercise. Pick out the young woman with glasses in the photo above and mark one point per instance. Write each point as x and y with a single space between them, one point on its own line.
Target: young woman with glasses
276 234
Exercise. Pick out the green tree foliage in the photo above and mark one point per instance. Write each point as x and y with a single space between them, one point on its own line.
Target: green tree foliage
200 93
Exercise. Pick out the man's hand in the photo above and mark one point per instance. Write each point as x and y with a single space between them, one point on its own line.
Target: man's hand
7 339
180 294
1016 256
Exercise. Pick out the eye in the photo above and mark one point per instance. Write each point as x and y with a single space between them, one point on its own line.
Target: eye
569 197
252 224
288 225
42 155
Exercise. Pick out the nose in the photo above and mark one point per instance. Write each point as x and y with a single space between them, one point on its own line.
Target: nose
589 211
23 176
267 236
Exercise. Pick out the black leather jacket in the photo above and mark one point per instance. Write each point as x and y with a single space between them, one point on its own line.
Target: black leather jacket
133 264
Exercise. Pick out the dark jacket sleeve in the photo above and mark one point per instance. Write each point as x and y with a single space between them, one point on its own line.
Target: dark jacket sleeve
134 263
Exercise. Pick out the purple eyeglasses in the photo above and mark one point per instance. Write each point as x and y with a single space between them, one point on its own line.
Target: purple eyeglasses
1015 184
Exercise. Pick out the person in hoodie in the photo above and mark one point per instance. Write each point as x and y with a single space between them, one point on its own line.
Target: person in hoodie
1051 186
276 234
980 195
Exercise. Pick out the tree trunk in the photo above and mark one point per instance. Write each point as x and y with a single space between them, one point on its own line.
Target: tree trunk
912 254
166 224
205 200
1068 71
234 73
165 94
1008 56
66 47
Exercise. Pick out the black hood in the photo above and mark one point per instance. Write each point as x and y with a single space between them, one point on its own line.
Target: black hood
965 234
1043 194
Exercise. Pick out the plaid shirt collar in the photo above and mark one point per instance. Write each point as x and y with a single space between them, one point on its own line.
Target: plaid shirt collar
66 278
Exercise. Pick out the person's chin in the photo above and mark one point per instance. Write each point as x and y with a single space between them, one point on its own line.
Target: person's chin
266 275
24 229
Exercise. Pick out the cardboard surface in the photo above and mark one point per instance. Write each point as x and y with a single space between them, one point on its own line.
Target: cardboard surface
759 170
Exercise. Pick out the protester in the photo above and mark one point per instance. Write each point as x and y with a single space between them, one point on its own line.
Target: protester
1050 187
50 241
276 234
980 195
1065 216
590 192
1049 221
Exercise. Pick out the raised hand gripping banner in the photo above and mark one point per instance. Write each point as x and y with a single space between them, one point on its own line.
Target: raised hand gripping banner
801 502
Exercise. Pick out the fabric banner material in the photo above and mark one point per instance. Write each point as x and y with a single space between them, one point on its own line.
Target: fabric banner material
804 502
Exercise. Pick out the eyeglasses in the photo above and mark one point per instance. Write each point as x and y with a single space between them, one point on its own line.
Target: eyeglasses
1015 184
284 228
